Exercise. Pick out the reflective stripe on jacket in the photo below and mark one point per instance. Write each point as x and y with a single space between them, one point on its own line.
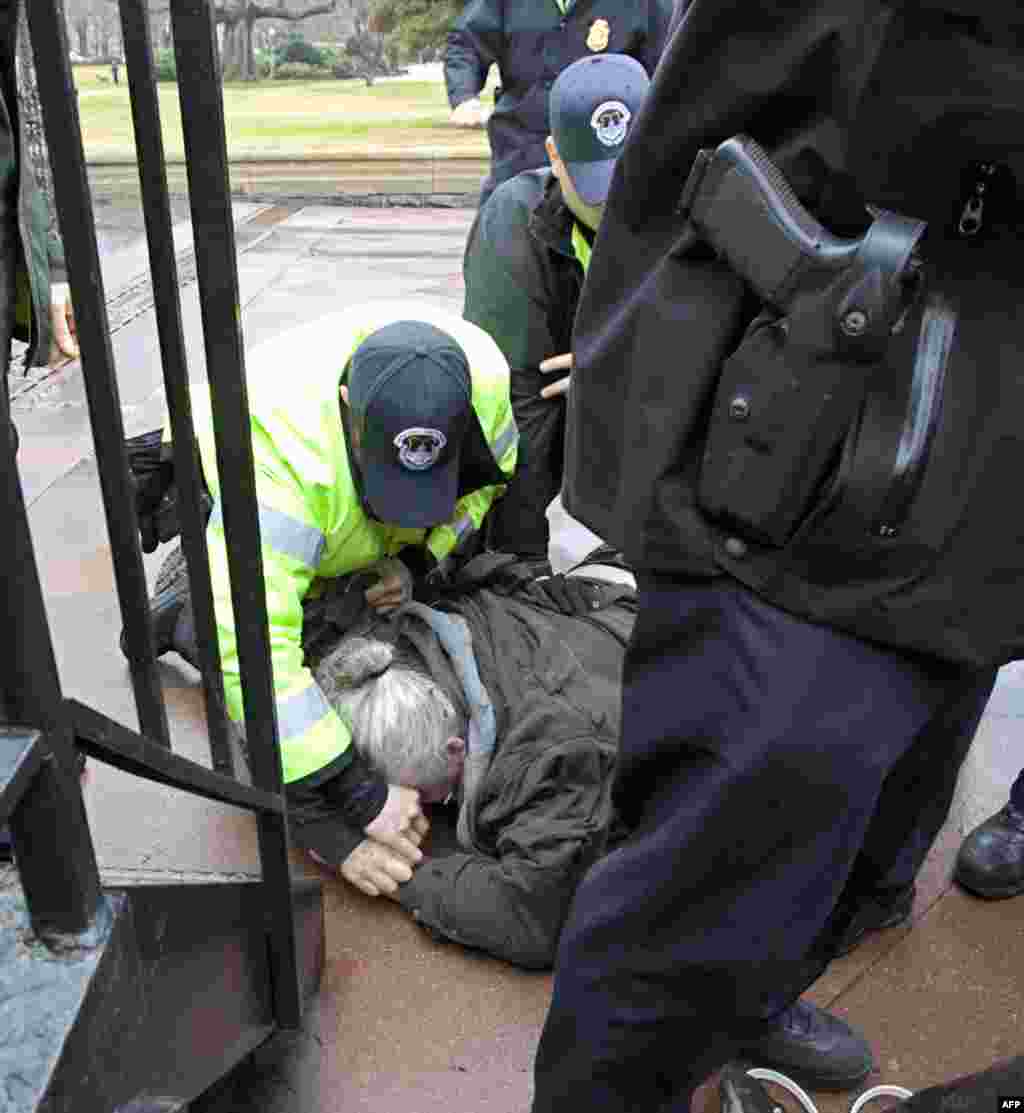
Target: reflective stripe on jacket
312 524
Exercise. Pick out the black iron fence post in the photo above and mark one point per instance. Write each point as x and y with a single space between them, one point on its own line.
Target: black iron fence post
74 208
164 269
202 117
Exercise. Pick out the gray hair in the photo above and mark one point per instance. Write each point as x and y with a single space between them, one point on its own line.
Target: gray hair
400 718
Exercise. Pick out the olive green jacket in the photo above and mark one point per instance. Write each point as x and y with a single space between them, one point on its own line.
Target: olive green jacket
41 254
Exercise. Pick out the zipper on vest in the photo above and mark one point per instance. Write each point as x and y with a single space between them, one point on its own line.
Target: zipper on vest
972 215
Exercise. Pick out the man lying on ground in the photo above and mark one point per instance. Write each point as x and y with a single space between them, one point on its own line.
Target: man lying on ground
504 695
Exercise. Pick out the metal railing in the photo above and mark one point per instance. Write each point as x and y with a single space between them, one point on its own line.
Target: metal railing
41 733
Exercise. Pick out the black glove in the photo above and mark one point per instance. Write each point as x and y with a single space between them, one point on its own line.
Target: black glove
157 499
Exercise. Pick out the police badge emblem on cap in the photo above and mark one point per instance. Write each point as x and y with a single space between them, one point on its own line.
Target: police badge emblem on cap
592 105
419 449
610 121
599 35
410 392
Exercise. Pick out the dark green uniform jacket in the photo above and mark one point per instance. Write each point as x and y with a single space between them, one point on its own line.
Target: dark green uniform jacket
522 276
523 281
540 814
692 415
40 254
532 41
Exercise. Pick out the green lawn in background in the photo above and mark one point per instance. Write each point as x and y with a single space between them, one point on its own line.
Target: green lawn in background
285 117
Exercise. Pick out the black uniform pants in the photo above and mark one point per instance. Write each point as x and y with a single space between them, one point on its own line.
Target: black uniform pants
518 521
769 768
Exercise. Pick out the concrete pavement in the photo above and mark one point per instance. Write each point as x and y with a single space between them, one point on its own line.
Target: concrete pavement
404 1024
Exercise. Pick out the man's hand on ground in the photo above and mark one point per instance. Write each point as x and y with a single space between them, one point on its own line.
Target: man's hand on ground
393 588
401 825
63 346
557 363
470 114
375 870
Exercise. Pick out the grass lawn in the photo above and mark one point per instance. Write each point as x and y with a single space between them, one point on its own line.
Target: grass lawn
285 117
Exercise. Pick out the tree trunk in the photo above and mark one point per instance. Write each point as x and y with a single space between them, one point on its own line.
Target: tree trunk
231 63
248 57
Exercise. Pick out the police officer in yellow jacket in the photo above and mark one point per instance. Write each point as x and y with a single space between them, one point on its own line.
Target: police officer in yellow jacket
387 457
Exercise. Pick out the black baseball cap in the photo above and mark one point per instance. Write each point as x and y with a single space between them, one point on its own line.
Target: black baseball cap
411 397
591 106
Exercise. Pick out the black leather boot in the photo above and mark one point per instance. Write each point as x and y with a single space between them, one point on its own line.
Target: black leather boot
991 859
874 913
170 610
814 1048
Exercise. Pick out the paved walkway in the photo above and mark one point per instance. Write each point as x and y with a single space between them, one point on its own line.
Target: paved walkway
404 1024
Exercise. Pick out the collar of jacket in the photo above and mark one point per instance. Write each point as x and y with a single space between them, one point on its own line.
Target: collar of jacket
553 223
456 638
551 220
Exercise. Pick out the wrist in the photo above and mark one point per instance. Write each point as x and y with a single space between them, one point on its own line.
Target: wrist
358 792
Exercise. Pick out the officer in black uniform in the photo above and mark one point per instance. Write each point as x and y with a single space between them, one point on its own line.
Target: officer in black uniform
532 41
800 434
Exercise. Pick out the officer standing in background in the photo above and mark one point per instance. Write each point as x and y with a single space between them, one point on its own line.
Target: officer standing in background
802 443
525 261
531 42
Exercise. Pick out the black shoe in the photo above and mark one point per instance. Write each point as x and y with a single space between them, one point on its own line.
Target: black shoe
814 1048
991 859
875 914
6 846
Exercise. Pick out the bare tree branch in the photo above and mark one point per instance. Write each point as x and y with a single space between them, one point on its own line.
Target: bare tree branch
248 12
259 11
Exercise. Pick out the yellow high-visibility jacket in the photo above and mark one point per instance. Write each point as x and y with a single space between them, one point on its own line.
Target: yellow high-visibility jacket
312 524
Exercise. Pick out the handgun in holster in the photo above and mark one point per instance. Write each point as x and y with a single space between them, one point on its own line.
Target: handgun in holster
788 395
740 203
